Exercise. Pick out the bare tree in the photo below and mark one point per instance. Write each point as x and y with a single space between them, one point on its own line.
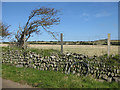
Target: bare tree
42 18
4 32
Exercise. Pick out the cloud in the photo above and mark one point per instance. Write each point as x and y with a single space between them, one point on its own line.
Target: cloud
102 14
86 19
84 14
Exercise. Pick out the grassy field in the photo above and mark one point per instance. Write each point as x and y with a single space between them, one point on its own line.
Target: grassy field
89 50
51 79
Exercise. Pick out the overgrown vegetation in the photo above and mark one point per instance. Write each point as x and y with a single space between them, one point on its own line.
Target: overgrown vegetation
113 60
51 79
43 52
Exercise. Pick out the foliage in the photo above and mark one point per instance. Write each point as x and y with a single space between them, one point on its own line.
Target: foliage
42 52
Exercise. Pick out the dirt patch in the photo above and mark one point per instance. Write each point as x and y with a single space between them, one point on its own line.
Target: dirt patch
11 84
3 45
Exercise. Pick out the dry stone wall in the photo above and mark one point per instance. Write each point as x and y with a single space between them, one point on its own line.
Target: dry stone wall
73 63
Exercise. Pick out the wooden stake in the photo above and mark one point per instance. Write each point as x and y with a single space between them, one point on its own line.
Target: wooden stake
61 43
108 45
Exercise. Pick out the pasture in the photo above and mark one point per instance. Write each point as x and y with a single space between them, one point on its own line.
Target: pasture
89 50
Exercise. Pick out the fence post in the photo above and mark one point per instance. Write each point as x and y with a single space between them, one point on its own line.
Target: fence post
61 43
119 27
108 43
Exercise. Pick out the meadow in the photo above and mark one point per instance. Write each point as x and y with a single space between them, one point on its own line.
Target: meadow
89 50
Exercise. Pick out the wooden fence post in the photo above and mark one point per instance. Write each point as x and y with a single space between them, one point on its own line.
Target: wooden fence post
108 43
61 43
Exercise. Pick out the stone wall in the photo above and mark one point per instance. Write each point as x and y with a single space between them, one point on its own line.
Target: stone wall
73 63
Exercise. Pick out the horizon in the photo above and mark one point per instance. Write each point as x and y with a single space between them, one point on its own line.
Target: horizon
80 21
68 41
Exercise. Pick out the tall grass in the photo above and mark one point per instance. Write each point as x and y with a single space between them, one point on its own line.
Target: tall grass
43 52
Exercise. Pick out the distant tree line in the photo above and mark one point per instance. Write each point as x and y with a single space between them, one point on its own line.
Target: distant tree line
98 42
73 42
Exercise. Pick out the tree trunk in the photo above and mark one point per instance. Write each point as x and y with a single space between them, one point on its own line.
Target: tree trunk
21 41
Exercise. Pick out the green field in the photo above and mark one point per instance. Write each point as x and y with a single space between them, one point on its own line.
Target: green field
51 79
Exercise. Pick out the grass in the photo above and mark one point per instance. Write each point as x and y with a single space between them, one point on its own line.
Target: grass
43 52
89 50
51 79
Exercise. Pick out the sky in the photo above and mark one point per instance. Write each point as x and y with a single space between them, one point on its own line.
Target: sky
80 21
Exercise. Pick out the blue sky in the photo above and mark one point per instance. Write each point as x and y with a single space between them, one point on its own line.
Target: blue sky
80 21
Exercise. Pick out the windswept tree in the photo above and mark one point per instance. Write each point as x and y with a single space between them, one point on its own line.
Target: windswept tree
4 32
39 19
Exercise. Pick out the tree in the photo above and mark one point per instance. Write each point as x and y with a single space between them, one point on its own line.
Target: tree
4 32
42 18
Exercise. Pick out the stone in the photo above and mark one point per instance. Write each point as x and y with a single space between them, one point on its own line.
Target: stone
104 77
112 74
68 54
104 66
10 61
73 72
97 68
34 67
78 74
26 66
116 79
46 68
109 79
19 65
118 71
109 74
115 74
53 57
